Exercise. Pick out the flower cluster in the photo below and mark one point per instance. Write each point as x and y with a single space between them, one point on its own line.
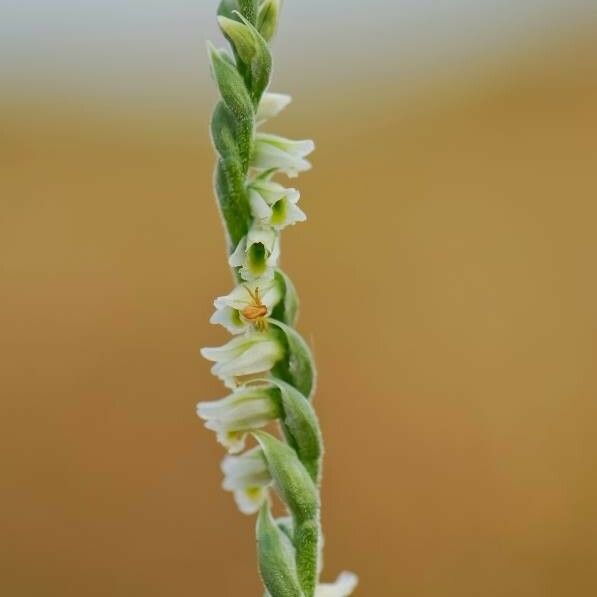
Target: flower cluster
266 365
244 312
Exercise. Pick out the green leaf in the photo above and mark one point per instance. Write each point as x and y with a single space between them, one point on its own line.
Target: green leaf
297 368
276 557
301 427
286 310
267 19
231 85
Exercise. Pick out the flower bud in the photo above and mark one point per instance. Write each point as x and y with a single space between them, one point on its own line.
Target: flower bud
241 36
267 19
230 83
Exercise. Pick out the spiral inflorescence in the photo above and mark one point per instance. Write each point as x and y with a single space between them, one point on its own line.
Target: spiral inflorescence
267 365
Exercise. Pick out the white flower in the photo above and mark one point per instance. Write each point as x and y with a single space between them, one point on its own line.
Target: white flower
248 304
257 254
232 417
344 585
254 352
248 477
271 105
274 152
274 205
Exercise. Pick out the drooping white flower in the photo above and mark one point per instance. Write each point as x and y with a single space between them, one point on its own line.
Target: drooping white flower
275 152
248 477
246 409
344 586
257 254
271 105
254 352
248 304
274 205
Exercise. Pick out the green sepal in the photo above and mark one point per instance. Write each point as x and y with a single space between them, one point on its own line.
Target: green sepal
286 310
301 427
297 368
231 85
276 557
267 19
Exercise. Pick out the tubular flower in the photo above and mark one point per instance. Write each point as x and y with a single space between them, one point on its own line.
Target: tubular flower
247 305
246 409
248 477
274 205
251 353
285 155
257 254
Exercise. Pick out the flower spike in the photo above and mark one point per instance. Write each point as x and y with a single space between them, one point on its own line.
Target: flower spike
266 364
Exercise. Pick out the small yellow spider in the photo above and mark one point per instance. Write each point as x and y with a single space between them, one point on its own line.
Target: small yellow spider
256 312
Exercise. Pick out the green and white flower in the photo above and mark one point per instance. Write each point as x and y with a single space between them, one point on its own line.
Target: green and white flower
344 586
246 409
279 153
271 105
257 253
248 477
238 311
274 205
254 352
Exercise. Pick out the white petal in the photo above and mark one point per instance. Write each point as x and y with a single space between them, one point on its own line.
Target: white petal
257 358
299 148
268 156
265 236
259 208
249 500
271 105
230 319
344 586
247 470
237 258
222 353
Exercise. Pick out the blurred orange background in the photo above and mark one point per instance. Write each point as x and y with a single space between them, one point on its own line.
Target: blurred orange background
448 289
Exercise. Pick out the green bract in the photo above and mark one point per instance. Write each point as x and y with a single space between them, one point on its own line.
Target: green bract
267 364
